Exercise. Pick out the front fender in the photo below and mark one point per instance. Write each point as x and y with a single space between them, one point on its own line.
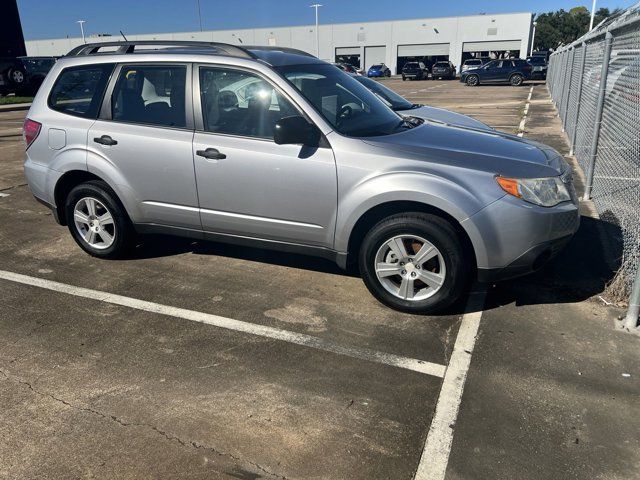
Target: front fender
422 188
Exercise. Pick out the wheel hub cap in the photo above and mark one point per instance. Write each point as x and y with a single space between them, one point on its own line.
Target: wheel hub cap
410 267
94 223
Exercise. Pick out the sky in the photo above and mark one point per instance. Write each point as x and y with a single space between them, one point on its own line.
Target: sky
57 18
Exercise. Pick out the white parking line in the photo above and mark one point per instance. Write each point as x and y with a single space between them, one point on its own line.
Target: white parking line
523 122
406 363
435 456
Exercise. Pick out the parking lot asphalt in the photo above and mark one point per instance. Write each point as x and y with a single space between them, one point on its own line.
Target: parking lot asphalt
316 379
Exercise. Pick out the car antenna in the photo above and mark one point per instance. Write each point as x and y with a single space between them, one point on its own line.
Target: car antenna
125 38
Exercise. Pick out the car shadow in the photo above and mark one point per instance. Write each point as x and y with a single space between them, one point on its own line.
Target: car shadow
154 246
580 271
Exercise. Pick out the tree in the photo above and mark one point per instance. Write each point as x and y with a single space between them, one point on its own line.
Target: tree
562 27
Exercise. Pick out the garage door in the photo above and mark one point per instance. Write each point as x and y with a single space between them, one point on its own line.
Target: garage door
374 56
491 46
423 50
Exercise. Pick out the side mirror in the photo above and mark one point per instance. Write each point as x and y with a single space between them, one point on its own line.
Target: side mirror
296 130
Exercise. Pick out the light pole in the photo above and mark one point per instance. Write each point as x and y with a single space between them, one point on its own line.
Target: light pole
533 38
199 14
82 22
593 14
317 6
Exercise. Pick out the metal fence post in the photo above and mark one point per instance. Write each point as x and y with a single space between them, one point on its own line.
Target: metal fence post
572 56
631 320
593 152
574 134
562 75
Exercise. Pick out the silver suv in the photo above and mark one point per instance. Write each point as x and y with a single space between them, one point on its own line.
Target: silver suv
275 148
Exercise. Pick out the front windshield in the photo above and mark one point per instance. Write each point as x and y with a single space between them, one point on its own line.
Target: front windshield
346 104
390 97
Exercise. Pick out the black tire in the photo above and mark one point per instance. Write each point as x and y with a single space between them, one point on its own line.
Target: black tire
473 80
123 233
16 76
404 79
516 80
433 229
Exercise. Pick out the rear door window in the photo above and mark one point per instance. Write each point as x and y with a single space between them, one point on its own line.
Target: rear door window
78 91
151 95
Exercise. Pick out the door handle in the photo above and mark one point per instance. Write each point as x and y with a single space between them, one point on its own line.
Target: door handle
211 154
105 140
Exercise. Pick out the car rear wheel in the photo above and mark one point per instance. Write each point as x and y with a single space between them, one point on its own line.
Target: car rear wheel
16 76
516 80
404 79
97 221
473 80
414 262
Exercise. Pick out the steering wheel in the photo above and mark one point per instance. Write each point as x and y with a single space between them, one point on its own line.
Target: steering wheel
345 112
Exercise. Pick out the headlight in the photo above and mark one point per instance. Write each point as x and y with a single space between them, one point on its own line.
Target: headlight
546 192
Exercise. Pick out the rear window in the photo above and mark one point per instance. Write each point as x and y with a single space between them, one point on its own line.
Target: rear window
411 65
78 90
442 64
377 67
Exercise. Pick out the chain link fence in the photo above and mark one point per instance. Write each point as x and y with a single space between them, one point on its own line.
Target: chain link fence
595 85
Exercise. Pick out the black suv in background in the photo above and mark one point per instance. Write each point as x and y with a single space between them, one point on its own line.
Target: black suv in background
443 70
512 71
23 74
415 71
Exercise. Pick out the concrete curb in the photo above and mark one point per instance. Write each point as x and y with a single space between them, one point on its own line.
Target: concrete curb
15 107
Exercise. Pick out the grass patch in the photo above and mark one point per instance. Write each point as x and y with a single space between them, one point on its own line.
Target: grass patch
11 100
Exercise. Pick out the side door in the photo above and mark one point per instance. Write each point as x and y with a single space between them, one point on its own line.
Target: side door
492 71
143 142
247 184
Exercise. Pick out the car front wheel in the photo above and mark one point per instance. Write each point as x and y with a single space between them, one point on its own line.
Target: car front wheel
516 80
97 221
414 262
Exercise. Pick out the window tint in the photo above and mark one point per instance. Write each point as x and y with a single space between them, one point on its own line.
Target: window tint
152 95
78 90
236 102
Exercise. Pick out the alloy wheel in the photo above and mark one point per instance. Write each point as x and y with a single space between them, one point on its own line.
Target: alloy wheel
17 76
94 223
410 267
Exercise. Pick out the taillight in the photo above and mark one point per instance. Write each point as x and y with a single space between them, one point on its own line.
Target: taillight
30 131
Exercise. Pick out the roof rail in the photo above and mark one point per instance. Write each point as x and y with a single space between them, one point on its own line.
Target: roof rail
279 49
130 46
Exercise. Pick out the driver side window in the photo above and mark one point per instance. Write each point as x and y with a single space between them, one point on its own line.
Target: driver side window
236 102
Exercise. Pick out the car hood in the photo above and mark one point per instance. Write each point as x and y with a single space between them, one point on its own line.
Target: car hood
464 147
444 116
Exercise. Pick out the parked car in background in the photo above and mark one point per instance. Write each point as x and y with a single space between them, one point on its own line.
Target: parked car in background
308 160
539 64
345 67
36 69
510 71
405 108
471 64
443 70
415 71
379 70
13 76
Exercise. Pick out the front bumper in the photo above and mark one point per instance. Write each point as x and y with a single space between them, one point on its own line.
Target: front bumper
512 237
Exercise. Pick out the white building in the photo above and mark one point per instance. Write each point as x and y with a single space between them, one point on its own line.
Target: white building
364 44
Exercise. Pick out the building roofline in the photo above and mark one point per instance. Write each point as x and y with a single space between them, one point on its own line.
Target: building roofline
417 19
